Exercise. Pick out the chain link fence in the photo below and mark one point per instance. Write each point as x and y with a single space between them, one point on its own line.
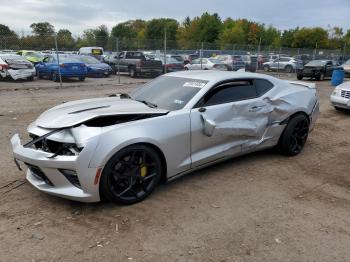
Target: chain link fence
256 55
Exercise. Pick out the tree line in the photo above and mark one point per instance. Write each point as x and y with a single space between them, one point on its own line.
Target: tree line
209 29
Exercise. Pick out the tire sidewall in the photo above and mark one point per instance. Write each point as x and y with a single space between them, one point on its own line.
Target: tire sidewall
104 181
284 141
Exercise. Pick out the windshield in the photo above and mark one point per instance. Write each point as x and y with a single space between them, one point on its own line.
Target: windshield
215 61
67 59
317 63
347 62
33 54
87 59
167 92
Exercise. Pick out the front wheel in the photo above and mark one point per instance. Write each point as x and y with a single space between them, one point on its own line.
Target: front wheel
132 72
82 78
266 68
288 69
300 77
55 77
131 175
294 136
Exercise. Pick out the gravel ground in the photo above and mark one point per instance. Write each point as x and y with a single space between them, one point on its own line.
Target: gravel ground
260 207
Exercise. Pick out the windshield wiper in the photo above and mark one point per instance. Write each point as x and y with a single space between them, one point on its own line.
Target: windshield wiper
148 103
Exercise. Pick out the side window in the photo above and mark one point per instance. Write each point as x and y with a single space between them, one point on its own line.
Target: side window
262 86
230 92
195 62
129 55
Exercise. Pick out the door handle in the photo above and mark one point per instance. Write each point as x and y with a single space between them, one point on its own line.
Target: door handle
202 109
256 108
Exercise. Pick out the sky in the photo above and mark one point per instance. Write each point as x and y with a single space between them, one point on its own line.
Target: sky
77 15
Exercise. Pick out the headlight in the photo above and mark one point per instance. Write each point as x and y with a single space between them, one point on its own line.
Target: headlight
336 92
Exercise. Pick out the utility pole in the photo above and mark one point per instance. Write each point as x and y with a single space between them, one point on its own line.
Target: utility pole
257 57
165 68
201 55
118 60
58 61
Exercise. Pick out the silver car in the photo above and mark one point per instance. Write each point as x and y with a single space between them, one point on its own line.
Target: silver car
120 148
206 64
288 64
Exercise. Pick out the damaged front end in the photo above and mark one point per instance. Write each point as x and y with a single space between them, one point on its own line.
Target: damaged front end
57 159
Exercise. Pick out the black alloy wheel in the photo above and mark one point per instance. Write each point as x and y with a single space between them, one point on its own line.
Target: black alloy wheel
294 136
131 174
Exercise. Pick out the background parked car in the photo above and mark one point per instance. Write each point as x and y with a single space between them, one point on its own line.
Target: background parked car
68 66
95 68
288 64
15 67
250 62
171 64
31 56
346 67
95 51
207 64
136 64
233 62
318 69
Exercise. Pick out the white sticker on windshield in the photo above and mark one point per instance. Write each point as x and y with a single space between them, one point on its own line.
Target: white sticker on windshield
195 84
179 102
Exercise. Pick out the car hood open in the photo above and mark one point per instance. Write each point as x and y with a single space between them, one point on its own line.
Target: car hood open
77 112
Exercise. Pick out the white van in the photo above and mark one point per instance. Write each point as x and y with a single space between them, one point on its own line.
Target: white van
91 50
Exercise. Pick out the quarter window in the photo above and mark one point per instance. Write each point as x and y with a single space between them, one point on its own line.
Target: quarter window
262 86
230 92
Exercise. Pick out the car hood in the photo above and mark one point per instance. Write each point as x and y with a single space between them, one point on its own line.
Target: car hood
76 112
344 86
99 66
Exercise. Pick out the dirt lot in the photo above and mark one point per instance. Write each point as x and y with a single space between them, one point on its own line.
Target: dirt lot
260 207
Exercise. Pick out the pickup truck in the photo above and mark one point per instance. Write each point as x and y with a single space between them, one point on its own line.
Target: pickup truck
135 63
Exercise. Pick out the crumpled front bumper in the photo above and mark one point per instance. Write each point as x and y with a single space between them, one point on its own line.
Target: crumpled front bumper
60 185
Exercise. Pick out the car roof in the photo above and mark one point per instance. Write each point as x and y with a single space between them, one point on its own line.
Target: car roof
217 76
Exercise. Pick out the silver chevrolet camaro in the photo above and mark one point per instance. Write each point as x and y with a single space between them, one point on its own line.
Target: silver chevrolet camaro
119 148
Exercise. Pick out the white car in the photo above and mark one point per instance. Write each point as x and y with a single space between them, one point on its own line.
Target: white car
207 64
346 67
15 67
340 98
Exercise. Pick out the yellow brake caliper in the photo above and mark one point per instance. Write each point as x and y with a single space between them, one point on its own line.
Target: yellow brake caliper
143 171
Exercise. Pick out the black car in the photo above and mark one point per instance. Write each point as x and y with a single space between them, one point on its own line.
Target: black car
318 69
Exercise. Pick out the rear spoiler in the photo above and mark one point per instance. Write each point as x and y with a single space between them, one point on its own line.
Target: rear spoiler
305 84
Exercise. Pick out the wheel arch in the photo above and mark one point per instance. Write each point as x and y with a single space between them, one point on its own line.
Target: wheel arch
285 121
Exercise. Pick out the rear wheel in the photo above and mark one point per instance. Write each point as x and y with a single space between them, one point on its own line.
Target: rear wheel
266 68
81 78
288 69
294 136
300 77
132 72
54 77
131 174
320 77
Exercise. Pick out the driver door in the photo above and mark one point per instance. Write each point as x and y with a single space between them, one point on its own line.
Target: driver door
228 120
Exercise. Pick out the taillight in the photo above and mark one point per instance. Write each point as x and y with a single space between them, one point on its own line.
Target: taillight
82 65
170 65
216 66
140 63
4 66
62 65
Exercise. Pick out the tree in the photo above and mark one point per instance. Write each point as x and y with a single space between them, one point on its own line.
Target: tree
287 37
232 34
310 38
8 38
124 30
65 39
42 29
101 35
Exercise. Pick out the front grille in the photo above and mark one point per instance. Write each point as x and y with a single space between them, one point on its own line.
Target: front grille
345 94
36 171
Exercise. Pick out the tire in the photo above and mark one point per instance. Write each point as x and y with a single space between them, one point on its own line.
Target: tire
321 77
288 69
294 136
186 68
266 68
300 77
55 77
81 78
132 72
131 175
31 78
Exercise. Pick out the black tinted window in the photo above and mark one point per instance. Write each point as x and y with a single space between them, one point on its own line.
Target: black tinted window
230 92
262 86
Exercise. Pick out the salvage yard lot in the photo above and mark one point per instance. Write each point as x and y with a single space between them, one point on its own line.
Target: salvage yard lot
260 207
